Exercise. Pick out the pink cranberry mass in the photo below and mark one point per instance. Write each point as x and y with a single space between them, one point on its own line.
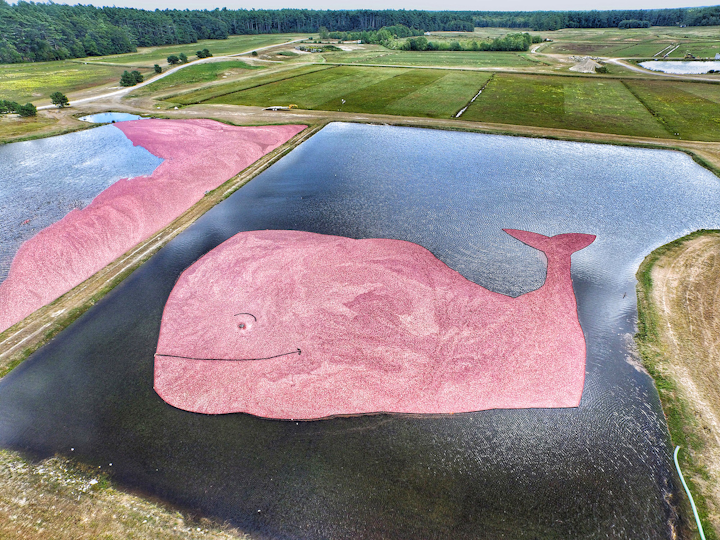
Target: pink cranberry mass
297 325
199 156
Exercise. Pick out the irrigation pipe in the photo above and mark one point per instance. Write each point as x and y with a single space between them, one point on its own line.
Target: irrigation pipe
692 502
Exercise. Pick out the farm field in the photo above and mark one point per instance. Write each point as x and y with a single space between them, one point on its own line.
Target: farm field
641 43
206 94
447 58
36 81
148 56
432 93
690 109
206 72
564 102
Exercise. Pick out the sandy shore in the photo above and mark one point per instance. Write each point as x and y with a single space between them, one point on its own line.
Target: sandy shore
680 342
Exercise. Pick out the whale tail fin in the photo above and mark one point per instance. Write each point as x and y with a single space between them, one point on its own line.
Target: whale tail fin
561 244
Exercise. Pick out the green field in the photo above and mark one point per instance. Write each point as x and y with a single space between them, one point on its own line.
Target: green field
690 109
206 94
32 82
205 72
446 58
582 103
637 42
147 56
398 91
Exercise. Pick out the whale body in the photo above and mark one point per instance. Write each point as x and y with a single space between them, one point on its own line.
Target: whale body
298 325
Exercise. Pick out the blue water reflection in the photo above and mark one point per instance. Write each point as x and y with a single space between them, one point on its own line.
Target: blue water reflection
42 180
108 117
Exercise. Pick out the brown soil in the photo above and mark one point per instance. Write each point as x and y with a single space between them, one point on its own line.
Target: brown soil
686 299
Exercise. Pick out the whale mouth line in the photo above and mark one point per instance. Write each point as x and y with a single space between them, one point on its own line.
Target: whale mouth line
296 351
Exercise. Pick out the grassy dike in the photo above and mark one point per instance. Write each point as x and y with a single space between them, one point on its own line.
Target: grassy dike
64 500
686 428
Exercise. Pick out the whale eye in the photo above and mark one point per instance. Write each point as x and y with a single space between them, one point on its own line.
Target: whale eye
244 321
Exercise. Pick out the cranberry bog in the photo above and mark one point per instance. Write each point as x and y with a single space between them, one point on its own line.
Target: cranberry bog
601 468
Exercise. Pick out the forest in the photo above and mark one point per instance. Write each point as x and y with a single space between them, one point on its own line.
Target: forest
32 32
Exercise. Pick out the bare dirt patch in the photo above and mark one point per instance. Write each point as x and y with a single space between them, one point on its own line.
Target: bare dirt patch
682 304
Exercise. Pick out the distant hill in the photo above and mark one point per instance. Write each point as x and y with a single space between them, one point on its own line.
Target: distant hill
33 32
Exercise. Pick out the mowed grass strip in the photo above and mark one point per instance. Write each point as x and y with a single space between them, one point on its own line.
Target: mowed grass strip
449 59
216 91
397 91
206 72
311 90
578 103
690 109
30 82
427 93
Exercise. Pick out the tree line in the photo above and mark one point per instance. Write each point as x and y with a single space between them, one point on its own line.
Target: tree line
31 32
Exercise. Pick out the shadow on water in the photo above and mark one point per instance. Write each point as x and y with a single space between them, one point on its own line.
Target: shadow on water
602 470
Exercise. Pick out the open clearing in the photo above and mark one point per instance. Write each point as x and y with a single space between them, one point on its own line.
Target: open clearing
33 82
407 92
634 42
210 71
690 109
148 56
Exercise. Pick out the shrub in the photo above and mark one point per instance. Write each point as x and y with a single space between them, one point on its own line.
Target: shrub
157 68
27 110
127 79
173 59
59 99
183 58
137 76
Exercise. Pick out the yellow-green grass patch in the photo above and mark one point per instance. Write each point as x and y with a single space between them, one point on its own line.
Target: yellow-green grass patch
147 56
451 59
702 49
312 90
443 98
206 72
689 109
216 91
13 127
578 103
32 82
397 91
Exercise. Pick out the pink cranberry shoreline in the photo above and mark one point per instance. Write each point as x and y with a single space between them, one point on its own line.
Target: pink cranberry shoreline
199 156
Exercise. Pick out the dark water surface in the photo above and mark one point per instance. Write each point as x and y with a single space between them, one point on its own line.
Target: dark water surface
42 180
602 470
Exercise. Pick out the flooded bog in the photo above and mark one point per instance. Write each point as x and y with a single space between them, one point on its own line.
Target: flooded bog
602 469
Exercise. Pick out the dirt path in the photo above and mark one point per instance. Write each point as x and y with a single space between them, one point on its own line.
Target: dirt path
17 342
684 301
128 89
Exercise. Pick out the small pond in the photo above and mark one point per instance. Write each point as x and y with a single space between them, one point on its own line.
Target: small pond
42 180
110 117
682 68
602 470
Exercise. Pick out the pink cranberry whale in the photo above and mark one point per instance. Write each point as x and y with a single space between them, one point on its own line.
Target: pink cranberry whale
297 325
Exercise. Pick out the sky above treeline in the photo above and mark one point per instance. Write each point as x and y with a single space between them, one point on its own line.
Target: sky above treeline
430 5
